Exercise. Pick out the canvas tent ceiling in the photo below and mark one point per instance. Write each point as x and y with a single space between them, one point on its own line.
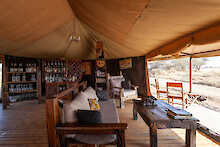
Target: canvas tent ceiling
156 28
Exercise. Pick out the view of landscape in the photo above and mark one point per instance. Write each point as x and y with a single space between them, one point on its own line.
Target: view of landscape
205 79
0 82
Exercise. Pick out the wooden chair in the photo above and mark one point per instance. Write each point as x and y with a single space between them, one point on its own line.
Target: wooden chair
159 92
175 92
117 92
194 98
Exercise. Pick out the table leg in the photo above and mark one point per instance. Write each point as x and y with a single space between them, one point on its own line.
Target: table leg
121 143
190 137
153 137
135 117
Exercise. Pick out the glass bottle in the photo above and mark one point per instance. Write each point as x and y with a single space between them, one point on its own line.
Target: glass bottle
23 77
15 67
11 69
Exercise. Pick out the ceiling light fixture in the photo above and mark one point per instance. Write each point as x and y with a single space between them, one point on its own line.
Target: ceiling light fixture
74 38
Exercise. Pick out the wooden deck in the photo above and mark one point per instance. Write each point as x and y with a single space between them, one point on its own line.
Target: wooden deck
23 125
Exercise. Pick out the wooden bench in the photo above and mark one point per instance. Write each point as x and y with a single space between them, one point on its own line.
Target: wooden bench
57 130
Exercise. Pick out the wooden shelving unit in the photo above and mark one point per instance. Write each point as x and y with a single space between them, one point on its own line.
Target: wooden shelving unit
59 74
11 82
24 91
22 79
21 72
101 70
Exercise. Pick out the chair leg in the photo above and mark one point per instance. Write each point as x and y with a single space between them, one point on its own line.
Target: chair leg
158 95
63 142
121 139
122 105
183 103
122 134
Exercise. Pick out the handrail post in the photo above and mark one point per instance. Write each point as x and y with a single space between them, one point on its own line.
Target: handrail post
190 74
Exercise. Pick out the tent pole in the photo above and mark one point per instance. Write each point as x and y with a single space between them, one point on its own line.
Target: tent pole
190 74
147 78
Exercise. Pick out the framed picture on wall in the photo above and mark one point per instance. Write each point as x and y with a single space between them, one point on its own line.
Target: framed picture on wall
125 63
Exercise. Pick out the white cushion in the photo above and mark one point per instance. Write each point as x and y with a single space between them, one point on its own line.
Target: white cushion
90 93
129 92
79 102
116 81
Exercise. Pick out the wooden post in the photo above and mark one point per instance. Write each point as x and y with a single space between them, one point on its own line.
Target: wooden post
39 83
147 78
51 122
190 74
5 101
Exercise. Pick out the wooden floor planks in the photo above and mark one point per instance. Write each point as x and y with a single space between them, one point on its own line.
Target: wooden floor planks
24 125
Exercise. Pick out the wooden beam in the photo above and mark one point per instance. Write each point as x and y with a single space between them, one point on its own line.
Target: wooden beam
206 52
147 78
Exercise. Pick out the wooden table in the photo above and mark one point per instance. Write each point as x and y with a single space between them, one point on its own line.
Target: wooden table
156 118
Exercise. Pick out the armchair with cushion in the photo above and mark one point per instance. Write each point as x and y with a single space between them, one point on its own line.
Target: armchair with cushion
121 89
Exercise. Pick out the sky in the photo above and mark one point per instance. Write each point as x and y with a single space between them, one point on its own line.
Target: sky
213 61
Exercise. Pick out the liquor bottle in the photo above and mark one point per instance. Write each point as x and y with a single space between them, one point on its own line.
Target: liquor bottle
55 66
9 88
20 67
46 78
12 78
48 67
51 78
51 66
45 66
26 68
15 67
11 69
35 67
58 64
33 77
23 77
31 67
